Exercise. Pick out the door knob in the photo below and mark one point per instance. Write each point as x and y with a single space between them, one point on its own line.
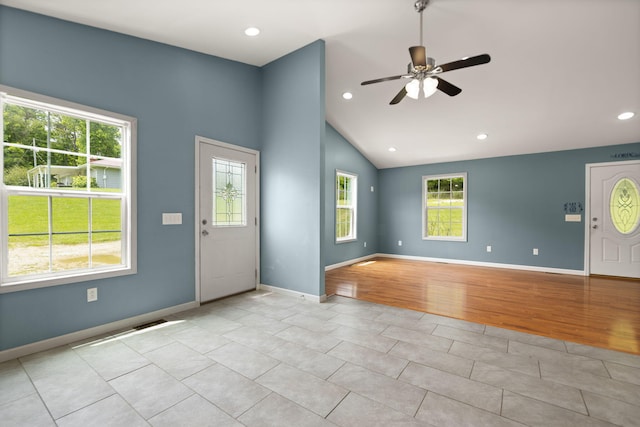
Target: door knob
205 233
594 226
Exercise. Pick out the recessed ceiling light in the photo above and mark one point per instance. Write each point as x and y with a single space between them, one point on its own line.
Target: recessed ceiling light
392 149
626 116
347 95
252 31
482 136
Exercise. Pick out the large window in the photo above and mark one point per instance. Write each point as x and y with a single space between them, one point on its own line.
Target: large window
444 207
346 206
66 198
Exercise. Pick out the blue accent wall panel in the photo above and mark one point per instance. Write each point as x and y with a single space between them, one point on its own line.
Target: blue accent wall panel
340 154
514 204
175 94
292 172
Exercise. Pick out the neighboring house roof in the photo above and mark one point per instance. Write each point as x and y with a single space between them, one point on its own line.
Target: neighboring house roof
54 170
107 163
73 170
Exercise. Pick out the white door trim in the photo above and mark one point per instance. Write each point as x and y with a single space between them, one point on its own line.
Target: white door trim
587 208
204 140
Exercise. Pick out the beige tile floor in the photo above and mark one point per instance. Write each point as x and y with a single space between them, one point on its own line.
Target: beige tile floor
263 359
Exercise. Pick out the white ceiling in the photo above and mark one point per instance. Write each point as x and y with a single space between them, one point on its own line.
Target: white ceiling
561 70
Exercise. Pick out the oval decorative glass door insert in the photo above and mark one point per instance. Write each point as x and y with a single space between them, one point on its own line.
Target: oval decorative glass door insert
625 206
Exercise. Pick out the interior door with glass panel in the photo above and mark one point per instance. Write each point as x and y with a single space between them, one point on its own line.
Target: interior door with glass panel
614 232
227 220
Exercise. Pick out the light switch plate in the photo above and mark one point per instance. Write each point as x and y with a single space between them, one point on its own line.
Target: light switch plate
171 218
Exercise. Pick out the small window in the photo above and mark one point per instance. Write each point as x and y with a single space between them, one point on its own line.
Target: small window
346 206
444 207
67 192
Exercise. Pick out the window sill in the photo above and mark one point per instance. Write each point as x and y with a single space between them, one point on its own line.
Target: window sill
65 279
346 241
446 239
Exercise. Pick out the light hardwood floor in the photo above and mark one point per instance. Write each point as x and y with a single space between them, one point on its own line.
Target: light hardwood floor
598 311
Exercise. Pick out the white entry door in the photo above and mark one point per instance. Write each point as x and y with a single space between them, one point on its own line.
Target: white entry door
227 224
614 222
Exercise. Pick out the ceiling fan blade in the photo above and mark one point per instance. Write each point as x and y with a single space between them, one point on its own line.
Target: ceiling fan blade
418 56
464 63
448 88
384 79
399 96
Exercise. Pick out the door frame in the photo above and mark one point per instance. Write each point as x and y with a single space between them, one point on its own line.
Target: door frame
199 140
587 208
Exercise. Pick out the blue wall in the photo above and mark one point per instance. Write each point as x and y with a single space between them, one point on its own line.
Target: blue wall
175 94
340 154
515 204
292 180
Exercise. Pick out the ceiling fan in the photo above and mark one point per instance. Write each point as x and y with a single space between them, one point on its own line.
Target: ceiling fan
424 73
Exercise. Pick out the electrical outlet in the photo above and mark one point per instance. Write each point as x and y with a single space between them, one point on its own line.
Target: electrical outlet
399 242
489 248
92 294
535 251
365 244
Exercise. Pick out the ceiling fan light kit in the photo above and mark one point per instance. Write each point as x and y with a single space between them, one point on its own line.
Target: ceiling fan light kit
424 73
427 86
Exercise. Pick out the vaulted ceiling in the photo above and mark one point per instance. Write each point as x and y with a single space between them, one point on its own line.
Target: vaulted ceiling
561 70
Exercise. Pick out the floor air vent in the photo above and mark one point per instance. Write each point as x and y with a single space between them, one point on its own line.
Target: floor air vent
150 324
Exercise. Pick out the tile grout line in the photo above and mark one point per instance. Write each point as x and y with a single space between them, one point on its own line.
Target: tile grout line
426 392
334 408
36 391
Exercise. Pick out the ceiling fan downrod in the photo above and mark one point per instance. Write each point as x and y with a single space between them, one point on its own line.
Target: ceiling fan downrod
420 6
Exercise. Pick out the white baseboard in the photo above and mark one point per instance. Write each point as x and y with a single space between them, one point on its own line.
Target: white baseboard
14 353
350 262
289 292
461 262
488 264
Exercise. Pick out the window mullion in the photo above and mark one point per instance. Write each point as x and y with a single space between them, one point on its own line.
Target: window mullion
47 179
90 231
50 229
88 152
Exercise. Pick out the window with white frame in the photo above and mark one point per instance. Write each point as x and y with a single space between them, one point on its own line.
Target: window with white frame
346 206
444 207
67 197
